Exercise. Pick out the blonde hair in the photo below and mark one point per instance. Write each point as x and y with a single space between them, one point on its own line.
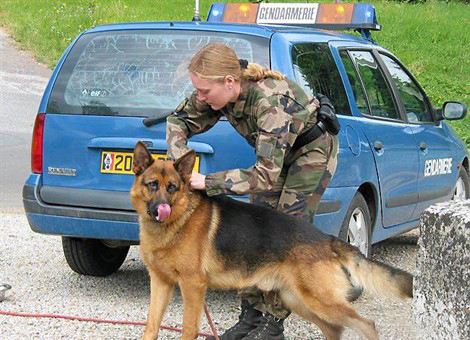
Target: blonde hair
216 61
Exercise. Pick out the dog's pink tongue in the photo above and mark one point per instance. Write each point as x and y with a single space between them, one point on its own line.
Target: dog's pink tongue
164 211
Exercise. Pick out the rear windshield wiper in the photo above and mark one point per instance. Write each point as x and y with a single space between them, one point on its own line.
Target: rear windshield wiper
157 118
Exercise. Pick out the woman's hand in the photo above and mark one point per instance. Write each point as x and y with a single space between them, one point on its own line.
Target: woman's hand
197 181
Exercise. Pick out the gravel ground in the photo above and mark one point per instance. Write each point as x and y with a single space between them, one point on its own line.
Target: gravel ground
43 283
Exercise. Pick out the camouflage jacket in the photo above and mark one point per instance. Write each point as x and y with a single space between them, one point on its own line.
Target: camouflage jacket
269 114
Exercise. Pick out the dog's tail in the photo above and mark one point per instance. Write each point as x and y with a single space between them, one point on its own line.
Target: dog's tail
374 276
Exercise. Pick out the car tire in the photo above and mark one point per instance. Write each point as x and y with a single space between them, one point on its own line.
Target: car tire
462 188
92 257
356 228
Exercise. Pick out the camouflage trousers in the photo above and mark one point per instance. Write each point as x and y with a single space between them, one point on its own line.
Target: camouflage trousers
303 180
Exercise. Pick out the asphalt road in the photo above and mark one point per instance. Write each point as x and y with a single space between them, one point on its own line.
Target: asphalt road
43 283
22 83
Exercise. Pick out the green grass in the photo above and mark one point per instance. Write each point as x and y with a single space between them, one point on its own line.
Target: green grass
430 39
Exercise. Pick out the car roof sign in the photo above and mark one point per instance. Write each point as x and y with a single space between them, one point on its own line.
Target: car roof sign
360 17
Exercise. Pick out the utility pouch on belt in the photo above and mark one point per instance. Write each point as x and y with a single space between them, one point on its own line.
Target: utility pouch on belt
327 115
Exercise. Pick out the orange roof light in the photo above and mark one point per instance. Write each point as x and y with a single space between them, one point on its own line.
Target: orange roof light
335 13
244 8
241 13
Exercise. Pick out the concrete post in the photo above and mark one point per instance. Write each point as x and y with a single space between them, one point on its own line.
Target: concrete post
442 281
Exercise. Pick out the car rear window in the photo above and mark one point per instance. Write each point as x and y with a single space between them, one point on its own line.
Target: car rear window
137 73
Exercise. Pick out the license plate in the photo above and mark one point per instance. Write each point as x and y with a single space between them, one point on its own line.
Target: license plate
121 162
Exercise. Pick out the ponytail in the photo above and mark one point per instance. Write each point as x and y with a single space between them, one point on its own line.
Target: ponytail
256 72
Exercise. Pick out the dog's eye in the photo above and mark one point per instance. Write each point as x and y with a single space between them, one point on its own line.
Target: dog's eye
171 188
152 185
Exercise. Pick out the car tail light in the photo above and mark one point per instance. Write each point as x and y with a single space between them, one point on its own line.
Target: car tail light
37 144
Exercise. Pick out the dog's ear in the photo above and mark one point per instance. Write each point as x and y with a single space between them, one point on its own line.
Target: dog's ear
185 164
142 158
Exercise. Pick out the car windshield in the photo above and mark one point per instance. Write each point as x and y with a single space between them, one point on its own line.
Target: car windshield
137 73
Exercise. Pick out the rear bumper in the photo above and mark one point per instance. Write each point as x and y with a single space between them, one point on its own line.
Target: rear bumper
76 221
83 227
113 224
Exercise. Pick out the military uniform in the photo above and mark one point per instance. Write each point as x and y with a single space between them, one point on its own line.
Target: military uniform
270 114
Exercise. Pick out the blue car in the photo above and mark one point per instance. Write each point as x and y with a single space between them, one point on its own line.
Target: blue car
397 154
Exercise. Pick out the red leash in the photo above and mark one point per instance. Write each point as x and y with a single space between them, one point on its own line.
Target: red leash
76 318
214 331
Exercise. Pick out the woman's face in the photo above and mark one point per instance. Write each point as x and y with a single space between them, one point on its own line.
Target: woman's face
215 94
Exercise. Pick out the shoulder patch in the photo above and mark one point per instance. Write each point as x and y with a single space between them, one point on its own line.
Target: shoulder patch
182 105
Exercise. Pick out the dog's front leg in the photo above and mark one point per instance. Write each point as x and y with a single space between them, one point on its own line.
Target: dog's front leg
160 295
193 291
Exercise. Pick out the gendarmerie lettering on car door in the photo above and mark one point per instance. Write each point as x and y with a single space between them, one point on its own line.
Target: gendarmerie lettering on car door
439 166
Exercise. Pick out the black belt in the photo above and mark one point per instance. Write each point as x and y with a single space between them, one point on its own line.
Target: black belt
310 135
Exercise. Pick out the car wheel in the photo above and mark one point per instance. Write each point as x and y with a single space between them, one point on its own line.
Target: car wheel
93 257
461 189
356 228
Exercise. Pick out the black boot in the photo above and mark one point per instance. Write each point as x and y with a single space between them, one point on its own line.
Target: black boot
270 328
248 320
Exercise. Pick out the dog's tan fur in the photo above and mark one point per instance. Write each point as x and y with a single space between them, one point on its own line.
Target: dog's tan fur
312 279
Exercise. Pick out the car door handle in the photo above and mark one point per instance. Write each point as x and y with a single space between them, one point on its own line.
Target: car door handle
423 146
378 145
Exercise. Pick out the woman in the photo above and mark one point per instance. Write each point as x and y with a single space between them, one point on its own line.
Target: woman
295 157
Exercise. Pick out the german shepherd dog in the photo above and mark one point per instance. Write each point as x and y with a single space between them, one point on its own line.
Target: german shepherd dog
196 241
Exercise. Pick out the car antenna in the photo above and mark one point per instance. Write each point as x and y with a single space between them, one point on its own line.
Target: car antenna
196 11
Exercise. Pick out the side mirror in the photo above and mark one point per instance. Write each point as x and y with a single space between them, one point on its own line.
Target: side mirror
453 110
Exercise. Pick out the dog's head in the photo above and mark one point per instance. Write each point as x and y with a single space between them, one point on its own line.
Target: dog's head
160 187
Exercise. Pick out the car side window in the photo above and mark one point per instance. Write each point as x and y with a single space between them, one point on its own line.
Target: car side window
358 91
316 72
378 93
410 93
